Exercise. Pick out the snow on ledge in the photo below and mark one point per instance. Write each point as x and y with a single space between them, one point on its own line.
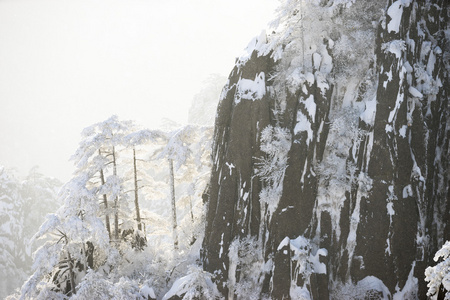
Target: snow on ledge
258 44
248 89
395 11
284 243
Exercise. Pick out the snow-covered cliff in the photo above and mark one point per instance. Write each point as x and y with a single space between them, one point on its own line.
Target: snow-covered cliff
330 154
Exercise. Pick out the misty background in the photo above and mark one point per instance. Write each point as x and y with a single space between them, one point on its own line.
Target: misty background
65 65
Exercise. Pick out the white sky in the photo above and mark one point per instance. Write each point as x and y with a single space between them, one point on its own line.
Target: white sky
66 64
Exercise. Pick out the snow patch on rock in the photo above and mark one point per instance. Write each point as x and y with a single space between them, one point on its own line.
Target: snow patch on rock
248 89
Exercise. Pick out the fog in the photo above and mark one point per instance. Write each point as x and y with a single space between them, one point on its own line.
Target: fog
67 64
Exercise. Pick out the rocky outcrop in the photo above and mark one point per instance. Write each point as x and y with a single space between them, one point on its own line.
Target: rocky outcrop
330 154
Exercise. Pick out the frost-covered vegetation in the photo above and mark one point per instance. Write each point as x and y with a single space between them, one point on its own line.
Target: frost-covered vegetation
324 182
275 143
438 277
131 217
24 202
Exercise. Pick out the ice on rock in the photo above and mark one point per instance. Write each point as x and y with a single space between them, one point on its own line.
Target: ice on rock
245 197
438 50
390 210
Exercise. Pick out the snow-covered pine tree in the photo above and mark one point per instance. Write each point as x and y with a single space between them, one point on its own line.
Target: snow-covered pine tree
135 141
176 150
194 175
23 206
76 231
12 251
40 195
97 157
438 277
71 236
188 154
78 257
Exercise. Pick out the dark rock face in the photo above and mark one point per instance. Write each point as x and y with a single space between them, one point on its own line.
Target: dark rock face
233 204
358 204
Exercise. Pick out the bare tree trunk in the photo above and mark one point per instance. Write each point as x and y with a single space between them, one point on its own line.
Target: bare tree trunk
136 192
71 274
190 206
174 209
193 237
116 200
72 277
85 267
105 201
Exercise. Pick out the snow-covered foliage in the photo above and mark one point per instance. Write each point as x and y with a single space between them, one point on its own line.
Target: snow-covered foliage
97 286
331 95
23 204
301 26
11 259
95 244
197 284
305 261
247 269
368 288
177 148
103 136
141 137
275 143
337 174
178 151
438 277
72 233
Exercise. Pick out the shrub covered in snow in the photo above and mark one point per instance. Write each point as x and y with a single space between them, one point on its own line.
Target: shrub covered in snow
246 268
197 284
275 142
439 276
